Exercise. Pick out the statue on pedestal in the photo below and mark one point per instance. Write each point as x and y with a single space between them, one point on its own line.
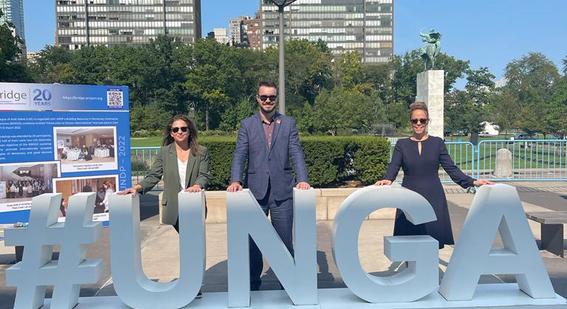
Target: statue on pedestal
430 50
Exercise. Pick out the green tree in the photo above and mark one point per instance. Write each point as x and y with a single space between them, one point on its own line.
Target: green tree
349 69
210 82
305 119
531 81
308 70
11 67
407 67
347 111
463 113
231 117
52 66
557 109
500 111
148 117
380 77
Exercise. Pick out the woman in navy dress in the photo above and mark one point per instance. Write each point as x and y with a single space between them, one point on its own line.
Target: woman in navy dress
420 156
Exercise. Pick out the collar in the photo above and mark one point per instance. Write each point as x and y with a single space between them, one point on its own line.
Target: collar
274 118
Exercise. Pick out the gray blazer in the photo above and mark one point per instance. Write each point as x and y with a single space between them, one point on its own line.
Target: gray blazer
269 164
165 165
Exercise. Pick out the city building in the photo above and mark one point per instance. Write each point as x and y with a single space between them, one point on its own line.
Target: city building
13 12
113 22
364 26
235 31
252 33
32 56
220 35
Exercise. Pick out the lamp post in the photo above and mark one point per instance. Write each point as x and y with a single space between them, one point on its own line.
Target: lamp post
281 4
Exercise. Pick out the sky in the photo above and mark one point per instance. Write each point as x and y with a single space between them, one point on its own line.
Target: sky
489 33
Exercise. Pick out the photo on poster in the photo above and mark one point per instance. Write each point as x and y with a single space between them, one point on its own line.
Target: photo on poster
82 149
102 185
20 182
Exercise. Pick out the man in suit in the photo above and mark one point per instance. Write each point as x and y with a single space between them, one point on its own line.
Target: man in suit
267 140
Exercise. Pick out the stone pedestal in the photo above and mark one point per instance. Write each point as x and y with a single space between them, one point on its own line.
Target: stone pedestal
431 90
503 167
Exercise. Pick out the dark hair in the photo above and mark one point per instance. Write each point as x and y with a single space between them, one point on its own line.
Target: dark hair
193 145
421 106
267 83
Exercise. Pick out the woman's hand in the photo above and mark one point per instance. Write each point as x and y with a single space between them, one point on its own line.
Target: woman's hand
132 191
194 188
482 182
383 182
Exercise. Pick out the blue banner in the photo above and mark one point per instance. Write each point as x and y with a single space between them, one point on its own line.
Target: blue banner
65 139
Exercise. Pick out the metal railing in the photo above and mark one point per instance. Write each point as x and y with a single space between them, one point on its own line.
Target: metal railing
531 160
463 154
141 160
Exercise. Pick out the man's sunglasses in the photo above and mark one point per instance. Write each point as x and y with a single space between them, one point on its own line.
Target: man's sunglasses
420 121
263 98
176 129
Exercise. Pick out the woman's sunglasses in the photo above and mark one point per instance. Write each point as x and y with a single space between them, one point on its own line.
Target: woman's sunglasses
419 121
176 129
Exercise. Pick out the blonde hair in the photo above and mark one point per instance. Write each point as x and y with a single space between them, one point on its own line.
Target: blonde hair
418 105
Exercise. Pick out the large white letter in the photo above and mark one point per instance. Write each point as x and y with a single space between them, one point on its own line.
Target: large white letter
36 271
299 276
130 282
474 256
419 279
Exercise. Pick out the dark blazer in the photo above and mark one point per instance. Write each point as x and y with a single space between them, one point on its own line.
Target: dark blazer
165 165
269 163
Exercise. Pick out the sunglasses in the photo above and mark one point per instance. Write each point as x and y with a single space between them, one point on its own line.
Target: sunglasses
263 98
176 129
419 121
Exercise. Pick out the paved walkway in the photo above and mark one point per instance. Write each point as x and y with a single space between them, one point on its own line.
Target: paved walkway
160 246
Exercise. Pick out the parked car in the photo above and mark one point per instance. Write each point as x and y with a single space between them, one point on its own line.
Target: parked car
522 137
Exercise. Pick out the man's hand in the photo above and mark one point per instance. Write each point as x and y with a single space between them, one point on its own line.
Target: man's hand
235 186
194 188
384 182
303 186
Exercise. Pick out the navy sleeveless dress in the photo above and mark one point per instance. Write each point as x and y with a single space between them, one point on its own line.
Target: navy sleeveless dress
421 175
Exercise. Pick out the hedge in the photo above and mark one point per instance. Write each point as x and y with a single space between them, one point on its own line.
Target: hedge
331 161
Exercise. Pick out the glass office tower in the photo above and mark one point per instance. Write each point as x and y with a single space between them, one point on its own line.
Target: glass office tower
13 11
112 22
364 26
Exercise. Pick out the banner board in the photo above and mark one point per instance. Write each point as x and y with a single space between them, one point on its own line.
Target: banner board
62 139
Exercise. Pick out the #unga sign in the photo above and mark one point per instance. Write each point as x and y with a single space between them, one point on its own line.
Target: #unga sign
495 209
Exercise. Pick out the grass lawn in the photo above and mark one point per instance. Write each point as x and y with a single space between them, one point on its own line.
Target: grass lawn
152 141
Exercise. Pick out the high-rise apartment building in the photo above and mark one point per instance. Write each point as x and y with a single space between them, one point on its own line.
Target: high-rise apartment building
13 12
112 22
252 33
345 25
235 29
220 35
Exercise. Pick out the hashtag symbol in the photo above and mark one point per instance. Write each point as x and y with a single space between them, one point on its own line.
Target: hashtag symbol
37 271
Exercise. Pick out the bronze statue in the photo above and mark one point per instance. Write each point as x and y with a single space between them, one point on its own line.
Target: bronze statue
430 51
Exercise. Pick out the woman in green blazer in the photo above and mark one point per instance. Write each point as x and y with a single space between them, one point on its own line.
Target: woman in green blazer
181 162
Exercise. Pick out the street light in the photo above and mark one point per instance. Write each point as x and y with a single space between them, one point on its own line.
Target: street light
281 4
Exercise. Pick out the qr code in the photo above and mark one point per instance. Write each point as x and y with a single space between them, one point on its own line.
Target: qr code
115 98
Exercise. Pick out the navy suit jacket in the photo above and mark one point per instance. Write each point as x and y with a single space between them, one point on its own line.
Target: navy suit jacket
269 165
